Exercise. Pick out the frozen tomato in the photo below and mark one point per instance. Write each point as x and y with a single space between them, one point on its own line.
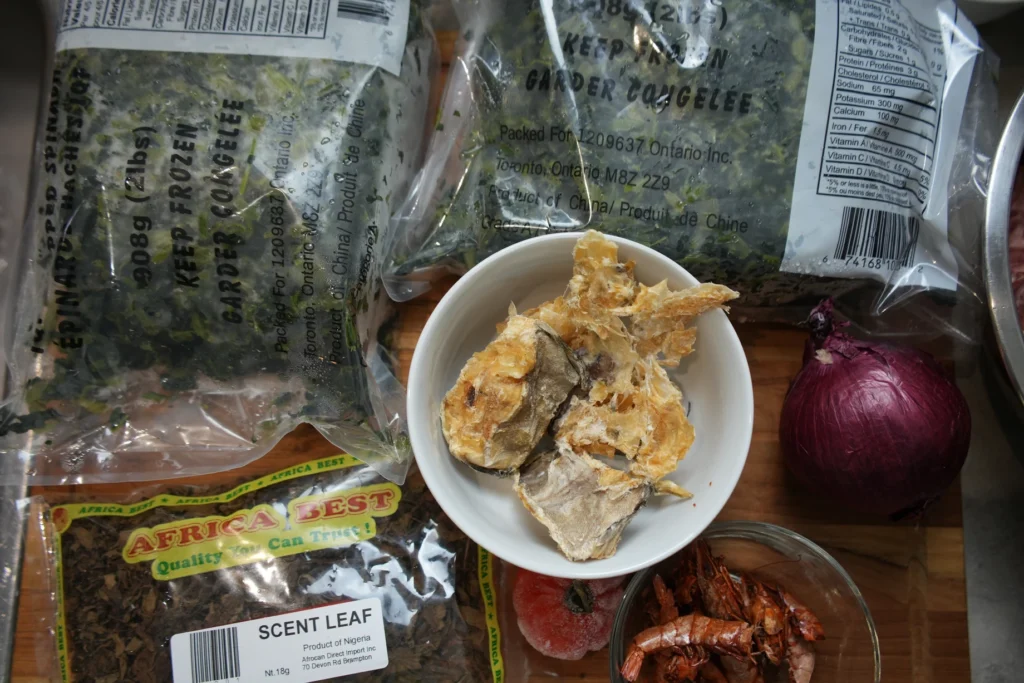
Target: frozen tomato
565 618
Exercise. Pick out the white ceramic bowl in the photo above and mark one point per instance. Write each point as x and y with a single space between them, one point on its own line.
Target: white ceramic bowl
715 380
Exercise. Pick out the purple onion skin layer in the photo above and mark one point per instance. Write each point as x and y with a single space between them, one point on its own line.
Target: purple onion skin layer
877 428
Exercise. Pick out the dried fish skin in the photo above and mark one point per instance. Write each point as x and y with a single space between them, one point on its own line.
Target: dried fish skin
602 291
599 281
669 432
584 504
619 335
603 346
649 426
508 394
667 487
659 318
658 301
606 429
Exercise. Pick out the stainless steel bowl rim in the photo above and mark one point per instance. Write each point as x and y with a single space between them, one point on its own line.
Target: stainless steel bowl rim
1007 326
753 531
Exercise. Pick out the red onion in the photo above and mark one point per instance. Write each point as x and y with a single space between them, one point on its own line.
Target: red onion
875 427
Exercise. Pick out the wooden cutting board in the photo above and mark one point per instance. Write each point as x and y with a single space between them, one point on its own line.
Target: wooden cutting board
911 574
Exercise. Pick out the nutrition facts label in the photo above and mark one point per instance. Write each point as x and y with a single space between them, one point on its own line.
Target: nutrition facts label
364 31
237 17
886 99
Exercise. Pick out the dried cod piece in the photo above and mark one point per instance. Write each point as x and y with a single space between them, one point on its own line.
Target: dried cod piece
585 318
632 408
658 318
603 346
508 394
589 317
585 505
599 281
648 426
619 336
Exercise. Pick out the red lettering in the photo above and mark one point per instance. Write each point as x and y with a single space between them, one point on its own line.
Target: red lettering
191 533
141 545
382 499
165 538
307 512
233 526
357 503
262 520
334 507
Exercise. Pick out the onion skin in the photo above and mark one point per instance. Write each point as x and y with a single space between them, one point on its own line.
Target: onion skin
877 428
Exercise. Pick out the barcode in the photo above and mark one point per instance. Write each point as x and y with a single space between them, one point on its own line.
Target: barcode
870 233
214 655
375 11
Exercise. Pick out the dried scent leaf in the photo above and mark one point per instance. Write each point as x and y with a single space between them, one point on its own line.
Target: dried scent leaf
507 395
585 505
421 567
84 538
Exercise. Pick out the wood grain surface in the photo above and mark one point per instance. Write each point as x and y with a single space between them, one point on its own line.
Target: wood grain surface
911 574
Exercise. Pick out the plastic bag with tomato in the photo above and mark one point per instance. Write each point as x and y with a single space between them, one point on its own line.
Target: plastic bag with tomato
552 627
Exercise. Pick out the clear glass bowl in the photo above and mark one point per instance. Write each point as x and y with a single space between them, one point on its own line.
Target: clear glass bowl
848 654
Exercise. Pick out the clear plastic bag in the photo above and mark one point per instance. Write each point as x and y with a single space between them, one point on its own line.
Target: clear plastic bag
790 149
203 270
521 662
128 575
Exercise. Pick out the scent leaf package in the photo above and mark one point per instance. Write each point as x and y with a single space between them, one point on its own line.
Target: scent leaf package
321 571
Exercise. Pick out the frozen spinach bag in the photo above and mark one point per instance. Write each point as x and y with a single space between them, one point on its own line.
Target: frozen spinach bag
789 149
203 275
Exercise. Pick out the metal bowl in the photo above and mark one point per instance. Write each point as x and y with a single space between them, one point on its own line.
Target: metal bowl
1006 324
